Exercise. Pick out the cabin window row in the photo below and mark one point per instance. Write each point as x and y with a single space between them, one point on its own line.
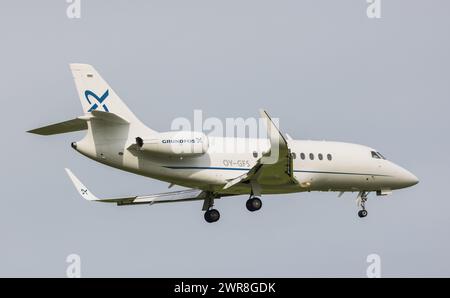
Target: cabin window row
311 156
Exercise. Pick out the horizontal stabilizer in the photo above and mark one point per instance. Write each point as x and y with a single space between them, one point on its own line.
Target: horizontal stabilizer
79 123
62 127
110 117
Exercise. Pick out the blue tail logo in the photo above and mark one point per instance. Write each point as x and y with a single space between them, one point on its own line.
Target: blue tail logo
98 101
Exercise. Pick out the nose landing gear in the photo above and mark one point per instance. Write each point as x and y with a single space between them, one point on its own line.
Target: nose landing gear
362 213
361 200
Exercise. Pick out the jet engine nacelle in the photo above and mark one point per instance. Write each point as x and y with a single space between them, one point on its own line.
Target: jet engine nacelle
180 143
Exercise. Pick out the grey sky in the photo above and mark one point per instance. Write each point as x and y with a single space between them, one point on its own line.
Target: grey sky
322 67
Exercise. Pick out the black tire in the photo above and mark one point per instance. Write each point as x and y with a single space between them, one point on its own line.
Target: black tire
253 204
212 215
362 213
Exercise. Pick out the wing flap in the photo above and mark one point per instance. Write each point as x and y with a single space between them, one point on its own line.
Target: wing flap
168 197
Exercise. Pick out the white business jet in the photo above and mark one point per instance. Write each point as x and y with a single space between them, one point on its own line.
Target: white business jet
273 165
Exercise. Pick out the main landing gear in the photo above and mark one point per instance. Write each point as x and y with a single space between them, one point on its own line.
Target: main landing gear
253 204
211 214
362 199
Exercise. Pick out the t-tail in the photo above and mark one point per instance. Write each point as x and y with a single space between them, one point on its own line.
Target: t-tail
101 105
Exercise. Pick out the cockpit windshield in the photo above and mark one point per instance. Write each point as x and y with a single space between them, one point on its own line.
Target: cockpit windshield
381 155
377 155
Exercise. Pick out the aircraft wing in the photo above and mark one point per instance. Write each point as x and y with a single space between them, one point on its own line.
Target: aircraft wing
275 167
168 197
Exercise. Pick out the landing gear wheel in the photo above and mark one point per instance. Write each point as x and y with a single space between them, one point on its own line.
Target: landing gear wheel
362 213
212 215
253 204
361 200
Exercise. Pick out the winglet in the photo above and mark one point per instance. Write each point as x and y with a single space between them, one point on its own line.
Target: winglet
272 129
277 140
82 190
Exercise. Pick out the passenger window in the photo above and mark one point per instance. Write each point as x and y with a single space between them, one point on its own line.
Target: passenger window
302 155
294 156
320 156
329 157
311 156
255 154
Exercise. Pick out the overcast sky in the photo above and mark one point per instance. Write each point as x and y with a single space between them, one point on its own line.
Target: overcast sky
323 67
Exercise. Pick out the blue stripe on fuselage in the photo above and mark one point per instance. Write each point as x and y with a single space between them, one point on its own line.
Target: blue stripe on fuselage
247 169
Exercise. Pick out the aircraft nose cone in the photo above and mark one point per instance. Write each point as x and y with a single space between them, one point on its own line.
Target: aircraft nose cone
409 179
